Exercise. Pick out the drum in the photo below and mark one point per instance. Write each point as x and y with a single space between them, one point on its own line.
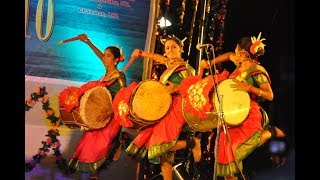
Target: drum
197 104
68 118
235 104
149 102
201 124
94 111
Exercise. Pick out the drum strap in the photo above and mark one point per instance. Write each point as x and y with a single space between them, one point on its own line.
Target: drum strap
110 82
168 72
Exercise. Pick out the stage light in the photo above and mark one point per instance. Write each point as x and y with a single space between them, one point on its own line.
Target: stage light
163 22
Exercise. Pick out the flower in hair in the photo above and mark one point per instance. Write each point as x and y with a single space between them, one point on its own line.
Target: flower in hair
256 44
185 38
163 41
121 58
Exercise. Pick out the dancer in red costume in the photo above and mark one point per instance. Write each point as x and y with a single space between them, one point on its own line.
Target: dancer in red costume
255 130
160 141
98 145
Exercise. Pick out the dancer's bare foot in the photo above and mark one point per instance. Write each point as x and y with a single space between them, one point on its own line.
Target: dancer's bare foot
271 133
117 153
196 151
279 132
276 132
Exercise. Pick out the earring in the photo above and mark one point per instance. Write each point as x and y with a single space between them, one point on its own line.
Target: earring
164 54
115 63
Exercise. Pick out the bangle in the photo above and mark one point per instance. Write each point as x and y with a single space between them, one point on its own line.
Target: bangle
260 92
140 54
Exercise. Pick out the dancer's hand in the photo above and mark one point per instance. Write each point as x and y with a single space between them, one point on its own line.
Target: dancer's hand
204 64
83 37
136 53
240 85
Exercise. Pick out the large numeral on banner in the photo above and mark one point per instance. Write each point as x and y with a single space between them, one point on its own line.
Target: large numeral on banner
39 19
26 19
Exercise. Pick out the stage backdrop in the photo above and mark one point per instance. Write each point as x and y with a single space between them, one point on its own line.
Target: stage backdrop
107 22
48 65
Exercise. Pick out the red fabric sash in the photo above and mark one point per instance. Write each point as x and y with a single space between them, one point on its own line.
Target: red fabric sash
70 97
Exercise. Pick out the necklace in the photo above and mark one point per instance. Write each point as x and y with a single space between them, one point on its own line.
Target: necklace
111 72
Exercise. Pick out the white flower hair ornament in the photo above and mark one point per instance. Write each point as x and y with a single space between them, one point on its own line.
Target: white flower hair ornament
256 44
163 41
121 54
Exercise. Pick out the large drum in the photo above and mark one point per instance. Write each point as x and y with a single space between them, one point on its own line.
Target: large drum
149 102
94 111
235 104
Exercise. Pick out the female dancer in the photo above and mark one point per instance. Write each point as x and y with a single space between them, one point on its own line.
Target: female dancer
160 141
99 146
241 140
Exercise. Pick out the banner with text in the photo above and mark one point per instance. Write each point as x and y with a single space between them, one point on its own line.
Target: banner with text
122 23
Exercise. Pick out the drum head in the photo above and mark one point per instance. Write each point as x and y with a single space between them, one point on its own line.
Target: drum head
96 103
235 103
150 101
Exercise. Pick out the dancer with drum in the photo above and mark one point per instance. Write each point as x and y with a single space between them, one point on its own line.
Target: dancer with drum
236 142
160 141
98 145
